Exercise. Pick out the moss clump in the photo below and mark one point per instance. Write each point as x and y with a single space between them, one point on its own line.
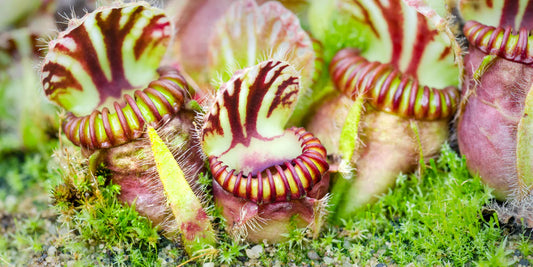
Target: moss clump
89 205
430 219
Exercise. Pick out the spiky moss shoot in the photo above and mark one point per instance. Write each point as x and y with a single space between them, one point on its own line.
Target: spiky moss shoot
263 174
494 126
397 81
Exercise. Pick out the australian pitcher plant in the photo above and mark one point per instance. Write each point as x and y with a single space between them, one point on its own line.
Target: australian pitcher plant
396 81
494 127
264 176
104 69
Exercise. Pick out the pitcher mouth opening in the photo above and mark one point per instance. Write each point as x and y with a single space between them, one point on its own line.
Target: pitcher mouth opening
291 179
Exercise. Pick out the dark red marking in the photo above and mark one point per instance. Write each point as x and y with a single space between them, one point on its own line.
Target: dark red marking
312 153
231 103
366 19
376 79
308 176
376 75
214 121
492 39
92 132
123 122
243 133
509 12
146 39
412 99
301 189
68 79
219 171
397 99
190 229
475 32
394 17
273 192
249 185
113 38
81 134
283 177
133 105
107 126
201 215
285 100
149 103
312 165
259 188
256 95
424 36
527 19
424 102
522 44
226 180
88 137
162 99
447 50
438 104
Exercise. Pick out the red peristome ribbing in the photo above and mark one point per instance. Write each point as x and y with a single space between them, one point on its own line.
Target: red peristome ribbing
82 131
312 163
510 45
388 89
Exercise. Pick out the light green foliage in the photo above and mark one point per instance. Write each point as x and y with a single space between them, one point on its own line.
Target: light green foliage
431 220
26 117
19 172
498 257
230 251
336 29
437 219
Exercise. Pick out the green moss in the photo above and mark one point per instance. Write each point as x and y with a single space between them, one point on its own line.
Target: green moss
435 219
89 205
431 220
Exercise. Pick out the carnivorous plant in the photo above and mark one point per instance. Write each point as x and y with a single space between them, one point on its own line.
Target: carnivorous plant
396 83
104 69
494 126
